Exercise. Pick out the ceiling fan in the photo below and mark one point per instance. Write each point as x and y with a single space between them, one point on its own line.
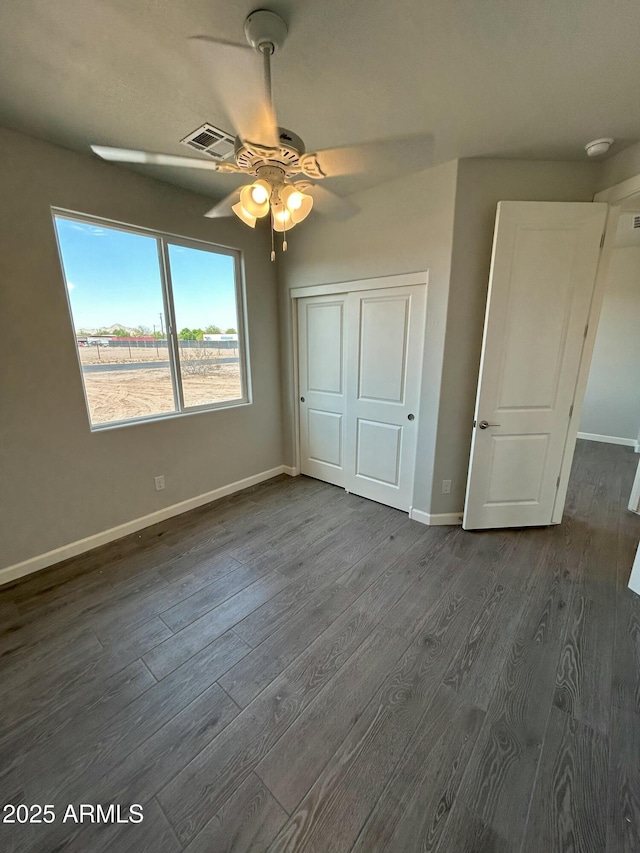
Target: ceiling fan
282 171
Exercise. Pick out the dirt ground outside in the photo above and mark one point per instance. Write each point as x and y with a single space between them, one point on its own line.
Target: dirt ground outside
118 394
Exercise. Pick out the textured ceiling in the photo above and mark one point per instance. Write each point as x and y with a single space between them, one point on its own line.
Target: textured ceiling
478 77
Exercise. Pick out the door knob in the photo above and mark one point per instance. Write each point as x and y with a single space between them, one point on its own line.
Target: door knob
302 399
411 417
485 424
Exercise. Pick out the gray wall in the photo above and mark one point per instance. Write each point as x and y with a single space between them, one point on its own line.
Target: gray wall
403 226
619 167
612 398
60 482
412 224
481 185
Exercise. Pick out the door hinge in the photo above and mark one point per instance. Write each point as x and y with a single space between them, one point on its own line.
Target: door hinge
586 329
558 482
570 411
602 240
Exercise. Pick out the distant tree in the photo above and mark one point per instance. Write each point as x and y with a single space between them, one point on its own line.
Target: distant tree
187 335
230 331
141 331
120 333
199 334
213 330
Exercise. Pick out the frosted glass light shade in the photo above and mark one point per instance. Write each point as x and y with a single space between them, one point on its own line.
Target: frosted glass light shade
244 215
291 197
298 204
304 210
250 194
282 219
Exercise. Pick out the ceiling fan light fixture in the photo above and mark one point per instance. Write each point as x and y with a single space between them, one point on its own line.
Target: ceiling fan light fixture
291 198
304 210
255 198
282 219
244 215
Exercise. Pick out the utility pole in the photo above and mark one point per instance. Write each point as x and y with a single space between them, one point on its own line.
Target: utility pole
161 326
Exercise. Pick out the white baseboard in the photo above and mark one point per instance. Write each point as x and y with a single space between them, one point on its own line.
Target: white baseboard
438 518
292 472
608 439
34 564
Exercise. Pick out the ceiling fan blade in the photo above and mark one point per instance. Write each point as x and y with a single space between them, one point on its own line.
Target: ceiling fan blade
129 155
223 208
237 73
328 203
388 158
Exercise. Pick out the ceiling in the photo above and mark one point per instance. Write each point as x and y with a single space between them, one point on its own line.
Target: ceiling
476 78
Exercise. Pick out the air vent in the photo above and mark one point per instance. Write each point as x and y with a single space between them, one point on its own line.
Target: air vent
636 221
218 144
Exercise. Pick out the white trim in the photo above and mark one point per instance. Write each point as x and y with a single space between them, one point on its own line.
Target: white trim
619 192
435 519
292 472
64 552
634 580
402 280
607 439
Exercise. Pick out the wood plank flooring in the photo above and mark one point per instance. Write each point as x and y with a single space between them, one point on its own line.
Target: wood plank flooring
298 669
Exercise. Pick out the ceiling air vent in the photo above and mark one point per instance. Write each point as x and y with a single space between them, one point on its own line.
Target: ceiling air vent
218 144
636 220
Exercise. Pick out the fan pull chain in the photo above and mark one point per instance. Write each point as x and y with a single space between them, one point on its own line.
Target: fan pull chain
284 239
273 248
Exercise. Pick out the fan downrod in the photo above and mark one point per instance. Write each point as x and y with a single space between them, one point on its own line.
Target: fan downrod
263 27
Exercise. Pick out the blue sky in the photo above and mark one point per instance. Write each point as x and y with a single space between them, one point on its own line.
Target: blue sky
113 277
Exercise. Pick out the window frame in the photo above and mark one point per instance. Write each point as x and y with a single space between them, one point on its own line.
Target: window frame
163 240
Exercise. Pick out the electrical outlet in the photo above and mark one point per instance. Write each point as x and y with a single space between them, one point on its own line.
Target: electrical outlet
159 481
446 487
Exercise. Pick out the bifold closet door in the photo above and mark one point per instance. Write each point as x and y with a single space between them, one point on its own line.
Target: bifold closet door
360 374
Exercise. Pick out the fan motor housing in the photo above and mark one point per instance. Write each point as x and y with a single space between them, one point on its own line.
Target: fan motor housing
286 156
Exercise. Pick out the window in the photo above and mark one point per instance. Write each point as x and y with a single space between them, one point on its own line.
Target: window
158 320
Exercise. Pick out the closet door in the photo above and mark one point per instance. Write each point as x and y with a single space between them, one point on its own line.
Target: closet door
385 342
322 387
360 357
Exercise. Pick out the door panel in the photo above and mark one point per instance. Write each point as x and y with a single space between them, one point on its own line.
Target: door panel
378 452
543 272
325 437
321 333
325 368
383 348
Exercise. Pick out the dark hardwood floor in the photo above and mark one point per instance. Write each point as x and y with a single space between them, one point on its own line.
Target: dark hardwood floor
298 669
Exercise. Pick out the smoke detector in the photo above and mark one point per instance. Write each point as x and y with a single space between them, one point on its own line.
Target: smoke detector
598 146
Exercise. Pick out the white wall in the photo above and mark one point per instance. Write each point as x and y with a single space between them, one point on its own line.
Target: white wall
612 399
58 481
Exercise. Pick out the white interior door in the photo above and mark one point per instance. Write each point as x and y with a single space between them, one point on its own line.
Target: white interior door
360 357
385 330
322 383
543 271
